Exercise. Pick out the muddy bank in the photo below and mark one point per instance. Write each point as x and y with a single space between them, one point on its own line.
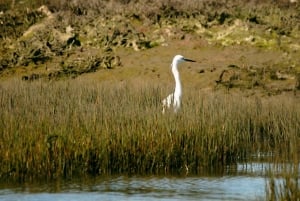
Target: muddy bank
68 39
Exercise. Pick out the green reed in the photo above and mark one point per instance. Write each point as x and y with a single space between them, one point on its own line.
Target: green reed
65 128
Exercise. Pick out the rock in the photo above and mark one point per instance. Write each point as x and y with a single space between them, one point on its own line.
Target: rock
283 76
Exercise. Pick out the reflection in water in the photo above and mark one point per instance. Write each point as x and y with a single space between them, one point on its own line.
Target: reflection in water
239 182
123 188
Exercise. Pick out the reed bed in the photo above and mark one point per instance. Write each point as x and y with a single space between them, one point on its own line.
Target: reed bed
66 128
285 186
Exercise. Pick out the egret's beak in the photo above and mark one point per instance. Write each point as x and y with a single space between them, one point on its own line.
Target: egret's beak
189 60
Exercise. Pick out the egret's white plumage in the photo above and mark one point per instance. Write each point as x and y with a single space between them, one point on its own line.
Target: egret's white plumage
174 99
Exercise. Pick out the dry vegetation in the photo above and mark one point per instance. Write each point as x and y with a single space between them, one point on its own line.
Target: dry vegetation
59 128
63 129
78 37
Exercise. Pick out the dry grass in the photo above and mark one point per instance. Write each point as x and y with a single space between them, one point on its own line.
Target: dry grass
142 6
68 128
285 186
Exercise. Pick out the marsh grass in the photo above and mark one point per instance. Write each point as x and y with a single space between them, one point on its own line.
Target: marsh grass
66 128
284 186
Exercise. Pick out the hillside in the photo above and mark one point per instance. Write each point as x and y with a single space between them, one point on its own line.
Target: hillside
238 45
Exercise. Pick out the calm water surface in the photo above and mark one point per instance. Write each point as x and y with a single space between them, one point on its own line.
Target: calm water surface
241 182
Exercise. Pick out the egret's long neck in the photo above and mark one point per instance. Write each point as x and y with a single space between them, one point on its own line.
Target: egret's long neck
178 89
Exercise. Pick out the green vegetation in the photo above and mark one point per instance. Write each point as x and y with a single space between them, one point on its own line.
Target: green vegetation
70 38
54 127
285 188
69 128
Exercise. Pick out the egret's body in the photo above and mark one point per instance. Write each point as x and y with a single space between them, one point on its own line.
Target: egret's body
174 99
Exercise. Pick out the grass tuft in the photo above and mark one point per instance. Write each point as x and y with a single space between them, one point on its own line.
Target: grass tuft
67 128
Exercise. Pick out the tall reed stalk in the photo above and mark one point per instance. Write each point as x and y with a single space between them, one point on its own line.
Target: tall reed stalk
285 185
65 128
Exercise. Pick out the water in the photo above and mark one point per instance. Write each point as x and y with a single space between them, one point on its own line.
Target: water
239 182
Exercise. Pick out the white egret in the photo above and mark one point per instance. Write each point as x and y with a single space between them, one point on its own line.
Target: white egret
174 99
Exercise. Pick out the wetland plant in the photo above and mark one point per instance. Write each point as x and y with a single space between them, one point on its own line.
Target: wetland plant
67 128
